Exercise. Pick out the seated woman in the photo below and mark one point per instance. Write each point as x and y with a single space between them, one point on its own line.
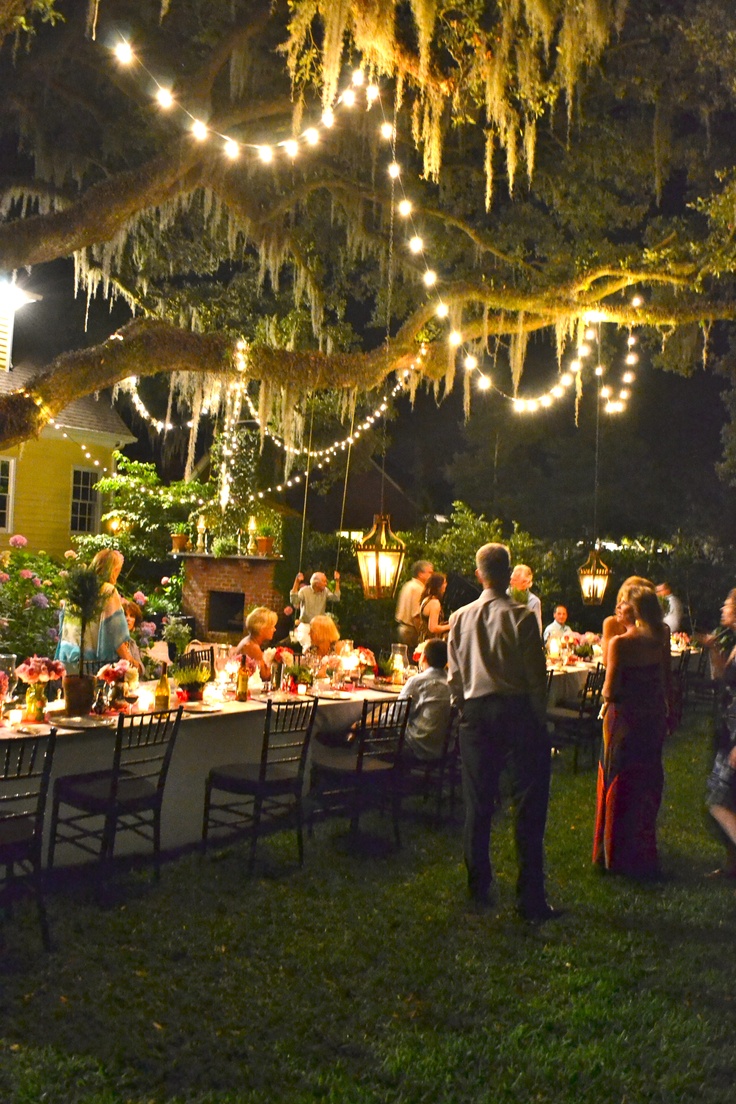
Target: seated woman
324 637
261 625
133 617
431 616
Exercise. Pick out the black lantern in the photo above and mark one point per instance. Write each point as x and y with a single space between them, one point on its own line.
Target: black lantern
593 576
380 557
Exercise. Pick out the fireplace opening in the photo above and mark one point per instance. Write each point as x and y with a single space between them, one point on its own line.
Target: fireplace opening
226 609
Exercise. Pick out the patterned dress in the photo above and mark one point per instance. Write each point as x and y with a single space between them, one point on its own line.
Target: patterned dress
630 774
721 785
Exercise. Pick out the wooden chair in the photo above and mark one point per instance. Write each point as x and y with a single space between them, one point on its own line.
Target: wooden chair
348 780
126 798
25 769
433 773
267 793
580 727
195 656
701 689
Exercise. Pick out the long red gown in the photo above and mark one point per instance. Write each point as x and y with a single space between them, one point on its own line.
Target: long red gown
630 775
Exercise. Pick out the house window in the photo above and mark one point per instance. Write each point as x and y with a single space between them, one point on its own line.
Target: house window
6 494
85 503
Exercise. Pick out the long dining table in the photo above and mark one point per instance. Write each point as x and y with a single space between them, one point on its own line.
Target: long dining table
206 739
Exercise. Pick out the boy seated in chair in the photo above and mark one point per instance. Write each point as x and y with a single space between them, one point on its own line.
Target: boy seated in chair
430 703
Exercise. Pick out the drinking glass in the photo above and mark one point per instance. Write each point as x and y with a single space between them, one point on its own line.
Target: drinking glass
8 663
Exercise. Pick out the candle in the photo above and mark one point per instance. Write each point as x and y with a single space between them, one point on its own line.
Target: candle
15 716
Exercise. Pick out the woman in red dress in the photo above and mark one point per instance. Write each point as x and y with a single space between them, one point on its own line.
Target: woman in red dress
630 774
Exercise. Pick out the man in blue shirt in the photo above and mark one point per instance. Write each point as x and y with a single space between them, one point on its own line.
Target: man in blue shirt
430 703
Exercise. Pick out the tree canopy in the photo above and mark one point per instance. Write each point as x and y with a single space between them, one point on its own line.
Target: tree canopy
558 155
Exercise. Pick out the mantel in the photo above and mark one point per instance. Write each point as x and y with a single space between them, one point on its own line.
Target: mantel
215 559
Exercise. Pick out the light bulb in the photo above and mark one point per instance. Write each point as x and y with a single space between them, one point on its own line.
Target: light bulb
599 370
416 244
624 394
583 350
358 78
575 366
471 362
311 135
394 170
557 391
605 392
545 400
124 53
348 97
532 406
265 153
405 208
455 338
199 130
484 382
628 377
387 131
442 310
519 406
291 147
328 118
590 335
372 93
430 277
632 358
566 379
630 340
165 99
637 301
232 149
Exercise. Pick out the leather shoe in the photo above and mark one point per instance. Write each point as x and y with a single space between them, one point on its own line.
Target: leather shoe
539 914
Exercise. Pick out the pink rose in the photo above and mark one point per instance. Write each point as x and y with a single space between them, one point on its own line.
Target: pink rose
18 541
4 577
165 581
26 573
140 598
70 554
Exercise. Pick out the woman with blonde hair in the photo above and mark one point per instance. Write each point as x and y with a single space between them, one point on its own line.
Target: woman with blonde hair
324 635
106 639
261 626
617 623
635 707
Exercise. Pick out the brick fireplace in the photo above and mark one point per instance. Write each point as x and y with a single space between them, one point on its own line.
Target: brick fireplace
218 590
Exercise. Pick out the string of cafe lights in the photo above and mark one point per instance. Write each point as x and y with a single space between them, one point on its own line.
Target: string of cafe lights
309 138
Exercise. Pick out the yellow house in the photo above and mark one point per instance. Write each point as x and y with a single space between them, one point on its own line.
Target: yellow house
47 485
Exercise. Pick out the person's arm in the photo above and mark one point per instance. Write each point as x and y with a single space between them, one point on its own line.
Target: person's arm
334 595
433 609
454 675
535 666
613 671
294 592
610 632
238 649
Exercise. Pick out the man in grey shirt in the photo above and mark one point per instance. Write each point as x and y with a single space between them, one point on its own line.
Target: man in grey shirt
311 601
497 678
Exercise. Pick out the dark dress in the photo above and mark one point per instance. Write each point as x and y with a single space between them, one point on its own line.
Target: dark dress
721 789
630 774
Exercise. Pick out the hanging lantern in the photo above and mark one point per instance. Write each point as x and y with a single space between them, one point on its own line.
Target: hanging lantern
594 576
380 556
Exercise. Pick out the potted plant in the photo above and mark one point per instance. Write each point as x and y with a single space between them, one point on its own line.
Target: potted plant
84 601
179 537
177 635
192 680
265 538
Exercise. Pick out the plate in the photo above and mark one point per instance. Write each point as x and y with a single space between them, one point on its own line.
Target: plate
201 707
84 722
334 695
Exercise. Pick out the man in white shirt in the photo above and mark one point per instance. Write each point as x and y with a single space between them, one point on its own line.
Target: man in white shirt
497 678
407 607
520 583
671 607
311 601
559 627
430 703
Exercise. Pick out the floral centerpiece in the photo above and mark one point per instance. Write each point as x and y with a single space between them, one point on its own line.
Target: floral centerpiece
116 675
114 672
282 659
37 671
177 633
680 641
191 681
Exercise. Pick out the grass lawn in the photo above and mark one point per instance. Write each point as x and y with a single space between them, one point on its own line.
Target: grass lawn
365 978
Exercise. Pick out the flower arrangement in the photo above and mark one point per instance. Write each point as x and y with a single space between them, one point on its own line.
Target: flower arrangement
177 632
114 672
681 639
40 669
366 658
193 676
283 655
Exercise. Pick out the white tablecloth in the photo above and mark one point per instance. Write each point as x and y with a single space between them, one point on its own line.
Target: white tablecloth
204 741
567 683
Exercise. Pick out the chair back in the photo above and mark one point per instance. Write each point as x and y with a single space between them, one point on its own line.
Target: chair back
25 769
195 656
550 676
382 728
144 744
287 732
590 700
